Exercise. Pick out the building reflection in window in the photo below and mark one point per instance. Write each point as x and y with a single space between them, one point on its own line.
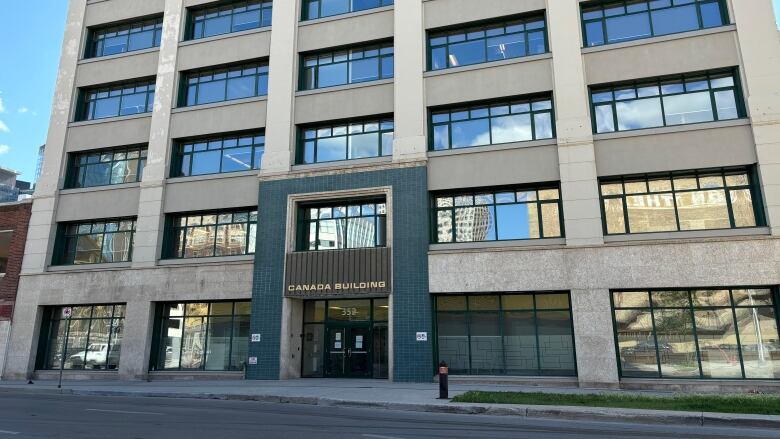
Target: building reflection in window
91 338
357 224
213 234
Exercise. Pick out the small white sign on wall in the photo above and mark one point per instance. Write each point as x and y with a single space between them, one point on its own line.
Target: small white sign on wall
253 361
422 336
256 338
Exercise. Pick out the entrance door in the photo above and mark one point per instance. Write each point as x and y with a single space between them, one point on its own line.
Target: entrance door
349 352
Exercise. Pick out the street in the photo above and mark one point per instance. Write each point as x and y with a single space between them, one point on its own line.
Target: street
25 415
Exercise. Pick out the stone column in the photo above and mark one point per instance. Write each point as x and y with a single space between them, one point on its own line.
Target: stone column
594 339
136 340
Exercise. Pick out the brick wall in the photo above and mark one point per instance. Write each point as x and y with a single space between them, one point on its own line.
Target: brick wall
14 217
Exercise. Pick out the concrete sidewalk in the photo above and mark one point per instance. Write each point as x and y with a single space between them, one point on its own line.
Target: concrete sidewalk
391 396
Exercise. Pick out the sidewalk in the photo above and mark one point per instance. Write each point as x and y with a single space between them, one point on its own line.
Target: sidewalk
390 396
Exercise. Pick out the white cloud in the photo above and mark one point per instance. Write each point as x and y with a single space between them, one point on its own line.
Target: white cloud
23 110
4 149
4 128
2 107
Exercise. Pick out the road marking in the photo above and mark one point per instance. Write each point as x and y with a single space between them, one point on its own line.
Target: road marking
122 411
8 432
381 437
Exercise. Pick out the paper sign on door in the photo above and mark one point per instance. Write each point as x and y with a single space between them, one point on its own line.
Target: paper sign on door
358 342
337 345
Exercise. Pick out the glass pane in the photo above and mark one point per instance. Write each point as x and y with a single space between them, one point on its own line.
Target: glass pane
703 210
676 344
517 301
313 350
551 220
238 357
76 354
628 27
486 344
470 133
314 311
363 146
381 310
243 87
332 74
483 303
331 149
556 343
520 343
515 128
209 92
218 342
349 310
651 213
717 336
515 221
466 53
453 341
726 104
614 216
639 114
673 20
552 301
636 345
757 297
451 303
474 224
711 15
759 342
605 122
688 108
193 342
594 33
631 299
216 26
361 232
171 343
364 70
742 208
506 47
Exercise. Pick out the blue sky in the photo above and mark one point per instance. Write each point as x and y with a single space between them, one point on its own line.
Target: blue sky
30 42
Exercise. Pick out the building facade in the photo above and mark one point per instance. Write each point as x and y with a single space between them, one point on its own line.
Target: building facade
577 192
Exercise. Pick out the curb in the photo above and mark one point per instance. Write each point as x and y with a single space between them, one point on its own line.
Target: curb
593 414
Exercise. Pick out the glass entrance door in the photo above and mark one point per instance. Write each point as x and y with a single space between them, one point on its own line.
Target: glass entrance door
349 352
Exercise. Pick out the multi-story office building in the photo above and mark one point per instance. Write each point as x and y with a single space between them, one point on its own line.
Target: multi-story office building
583 192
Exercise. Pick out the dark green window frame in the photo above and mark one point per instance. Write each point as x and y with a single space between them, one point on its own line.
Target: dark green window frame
224 149
382 53
545 199
198 17
125 32
184 228
192 81
615 191
91 98
312 215
87 237
687 303
471 305
439 42
312 9
124 165
309 138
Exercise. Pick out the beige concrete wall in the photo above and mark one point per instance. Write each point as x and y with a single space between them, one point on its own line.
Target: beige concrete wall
344 103
130 66
225 49
440 13
104 202
224 192
370 25
409 91
101 12
132 130
245 114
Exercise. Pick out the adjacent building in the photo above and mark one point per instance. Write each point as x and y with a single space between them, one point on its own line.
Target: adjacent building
579 192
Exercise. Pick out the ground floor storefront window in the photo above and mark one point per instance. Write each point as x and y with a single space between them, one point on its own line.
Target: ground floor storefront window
88 336
202 336
506 334
710 334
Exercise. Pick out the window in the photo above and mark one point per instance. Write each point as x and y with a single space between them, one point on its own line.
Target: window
225 84
227 18
229 153
116 100
96 242
512 334
203 336
347 66
709 333
313 9
618 21
679 100
695 200
347 141
348 224
486 43
200 235
91 338
502 215
103 168
5 250
128 37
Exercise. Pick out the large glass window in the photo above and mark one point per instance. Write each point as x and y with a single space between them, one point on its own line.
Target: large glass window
225 84
5 250
680 100
203 336
347 66
499 215
103 168
709 333
232 17
485 43
90 338
608 22
342 225
512 334
313 9
490 124
214 155
201 235
696 200
95 242
116 100
346 141
125 38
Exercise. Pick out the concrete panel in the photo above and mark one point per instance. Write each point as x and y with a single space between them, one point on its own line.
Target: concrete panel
665 57
101 12
108 133
97 204
344 103
489 81
493 168
440 13
134 65
225 49
213 193
323 34
729 146
221 118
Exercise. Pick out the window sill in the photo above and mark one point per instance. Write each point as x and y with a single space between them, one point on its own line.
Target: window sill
341 164
345 16
344 87
489 148
497 245
487 65
110 187
223 175
673 129
226 36
219 104
90 267
118 55
109 120
691 235
660 39
217 260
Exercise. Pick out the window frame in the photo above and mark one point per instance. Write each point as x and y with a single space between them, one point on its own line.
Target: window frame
186 77
217 7
173 227
73 177
302 224
61 256
94 35
386 46
84 114
179 154
300 156
306 4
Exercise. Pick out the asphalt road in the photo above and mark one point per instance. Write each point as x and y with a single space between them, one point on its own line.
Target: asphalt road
25 415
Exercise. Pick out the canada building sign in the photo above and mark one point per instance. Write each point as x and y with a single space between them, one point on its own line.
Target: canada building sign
339 273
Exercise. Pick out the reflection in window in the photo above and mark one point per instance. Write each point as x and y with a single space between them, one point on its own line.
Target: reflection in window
686 201
498 216
5 249
116 100
654 103
351 224
313 9
618 21
529 334
347 66
225 84
491 42
491 124
91 338
203 336
103 168
710 334
202 235
354 140
231 17
98 242
125 38
216 155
